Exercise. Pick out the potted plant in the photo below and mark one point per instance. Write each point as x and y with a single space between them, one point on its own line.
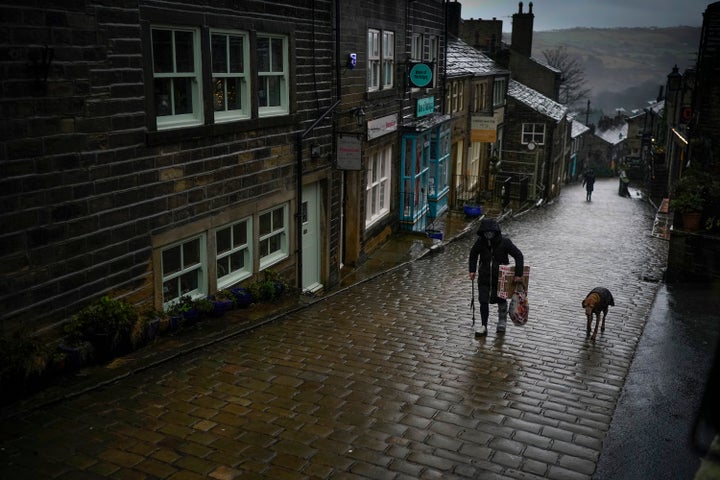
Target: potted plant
183 309
243 297
203 305
270 287
474 208
223 301
106 324
23 362
688 199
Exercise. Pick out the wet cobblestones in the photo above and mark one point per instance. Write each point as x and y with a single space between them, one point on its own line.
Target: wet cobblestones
385 379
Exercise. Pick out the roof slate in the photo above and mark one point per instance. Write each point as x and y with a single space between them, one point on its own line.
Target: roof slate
464 60
577 128
613 135
536 100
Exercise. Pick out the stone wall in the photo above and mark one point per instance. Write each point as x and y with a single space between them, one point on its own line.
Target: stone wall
89 184
693 257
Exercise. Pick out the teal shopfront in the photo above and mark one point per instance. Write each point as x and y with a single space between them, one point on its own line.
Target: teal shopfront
424 172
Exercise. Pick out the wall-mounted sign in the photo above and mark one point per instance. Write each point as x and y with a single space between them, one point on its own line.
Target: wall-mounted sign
483 129
349 152
421 75
381 126
425 106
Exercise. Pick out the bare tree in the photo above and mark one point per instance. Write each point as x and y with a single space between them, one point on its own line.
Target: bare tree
572 82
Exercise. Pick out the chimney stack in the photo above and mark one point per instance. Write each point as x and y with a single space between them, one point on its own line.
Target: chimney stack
454 17
522 31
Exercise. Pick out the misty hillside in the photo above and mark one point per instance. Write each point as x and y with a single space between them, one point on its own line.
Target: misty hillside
624 67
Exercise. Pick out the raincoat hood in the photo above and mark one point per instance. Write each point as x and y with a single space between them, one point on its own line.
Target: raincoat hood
488 225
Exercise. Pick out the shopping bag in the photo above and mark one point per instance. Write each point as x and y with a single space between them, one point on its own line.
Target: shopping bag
519 306
506 280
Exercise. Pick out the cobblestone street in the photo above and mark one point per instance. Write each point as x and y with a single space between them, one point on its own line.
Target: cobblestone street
385 380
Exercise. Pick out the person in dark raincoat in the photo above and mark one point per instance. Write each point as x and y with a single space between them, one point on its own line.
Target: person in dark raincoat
492 250
589 184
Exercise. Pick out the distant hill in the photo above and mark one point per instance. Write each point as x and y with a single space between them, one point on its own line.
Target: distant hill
624 67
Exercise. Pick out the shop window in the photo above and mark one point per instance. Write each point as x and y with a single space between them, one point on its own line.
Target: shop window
377 188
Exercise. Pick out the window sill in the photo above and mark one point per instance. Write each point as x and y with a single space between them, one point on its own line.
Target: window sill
176 135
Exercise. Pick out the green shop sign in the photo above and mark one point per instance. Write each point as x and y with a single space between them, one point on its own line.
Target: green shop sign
421 75
425 106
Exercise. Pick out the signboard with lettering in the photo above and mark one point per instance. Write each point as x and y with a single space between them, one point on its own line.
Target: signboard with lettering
425 106
483 129
381 126
421 75
349 152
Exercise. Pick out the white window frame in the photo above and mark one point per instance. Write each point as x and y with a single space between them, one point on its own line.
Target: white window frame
244 249
474 163
499 89
378 185
533 132
200 269
416 47
271 254
281 76
388 60
243 77
480 97
172 120
433 55
373 59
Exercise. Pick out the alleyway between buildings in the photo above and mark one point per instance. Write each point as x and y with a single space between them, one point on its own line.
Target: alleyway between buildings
384 379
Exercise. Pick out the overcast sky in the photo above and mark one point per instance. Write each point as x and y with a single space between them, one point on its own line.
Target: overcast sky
559 14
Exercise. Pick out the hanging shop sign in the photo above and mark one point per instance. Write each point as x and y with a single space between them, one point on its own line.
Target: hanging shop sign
349 152
421 75
483 129
425 106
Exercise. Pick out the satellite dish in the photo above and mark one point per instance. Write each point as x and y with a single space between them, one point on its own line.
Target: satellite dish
531 146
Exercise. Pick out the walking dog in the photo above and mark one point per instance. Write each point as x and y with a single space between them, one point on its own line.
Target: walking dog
597 302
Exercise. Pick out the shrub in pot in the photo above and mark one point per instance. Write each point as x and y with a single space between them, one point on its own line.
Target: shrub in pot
223 301
106 324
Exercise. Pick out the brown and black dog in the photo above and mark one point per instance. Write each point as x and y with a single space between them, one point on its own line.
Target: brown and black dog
597 301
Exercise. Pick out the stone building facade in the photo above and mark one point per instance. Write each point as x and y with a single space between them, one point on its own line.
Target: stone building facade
151 150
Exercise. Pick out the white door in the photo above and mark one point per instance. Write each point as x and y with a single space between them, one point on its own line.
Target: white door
311 238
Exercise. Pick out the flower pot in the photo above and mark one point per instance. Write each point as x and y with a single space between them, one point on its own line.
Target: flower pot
691 221
220 307
175 322
152 329
243 297
279 289
434 234
472 210
190 317
77 355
